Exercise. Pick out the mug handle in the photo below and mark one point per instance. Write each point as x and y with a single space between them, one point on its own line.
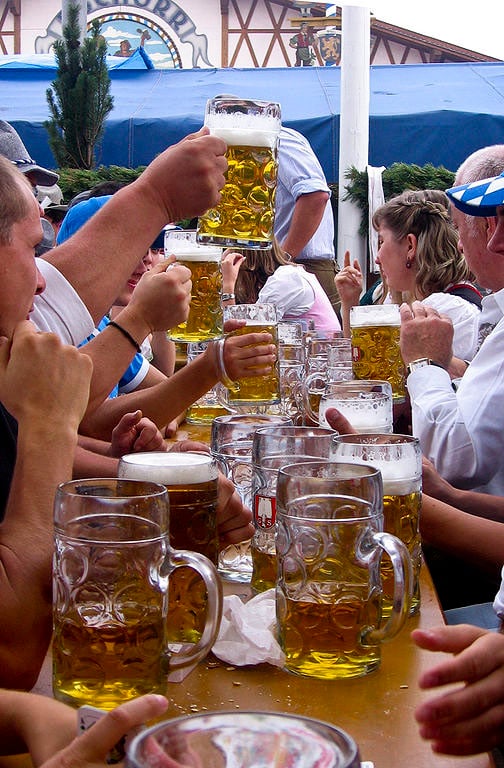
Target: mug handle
317 376
185 659
403 587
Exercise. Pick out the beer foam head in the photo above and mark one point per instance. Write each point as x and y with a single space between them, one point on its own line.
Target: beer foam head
375 314
169 468
187 249
244 130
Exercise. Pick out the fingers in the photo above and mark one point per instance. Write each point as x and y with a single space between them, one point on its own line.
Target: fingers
94 745
346 259
338 422
234 519
149 437
189 445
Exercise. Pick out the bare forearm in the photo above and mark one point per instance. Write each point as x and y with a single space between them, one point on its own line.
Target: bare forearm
160 403
464 535
93 463
44 459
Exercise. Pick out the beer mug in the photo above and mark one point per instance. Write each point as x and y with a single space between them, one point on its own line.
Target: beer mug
366 404
376 354
210 405
111 568
255 390
243 739
328 593
244 216
273 448
399 459
205 311
191 481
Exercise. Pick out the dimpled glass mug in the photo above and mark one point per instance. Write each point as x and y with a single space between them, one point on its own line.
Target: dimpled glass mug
204 321
376 354
243 740
111 567
244 216
399 459
328 593
191 481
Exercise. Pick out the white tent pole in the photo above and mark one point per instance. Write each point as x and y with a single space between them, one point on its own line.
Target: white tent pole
354 124
82 5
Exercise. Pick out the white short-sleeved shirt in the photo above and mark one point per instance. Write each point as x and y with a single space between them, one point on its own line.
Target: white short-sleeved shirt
59 308
465 317
299 172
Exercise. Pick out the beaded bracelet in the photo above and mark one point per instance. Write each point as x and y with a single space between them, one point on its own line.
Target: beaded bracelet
126 334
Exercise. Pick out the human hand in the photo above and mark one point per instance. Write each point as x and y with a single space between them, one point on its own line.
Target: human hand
162 296
91 748
469 719
339 422
42 381
433 484
135 433
348 282
188 176
230 266
234 519
250 354
425 333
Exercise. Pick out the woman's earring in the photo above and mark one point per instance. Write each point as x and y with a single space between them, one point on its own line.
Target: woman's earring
408 263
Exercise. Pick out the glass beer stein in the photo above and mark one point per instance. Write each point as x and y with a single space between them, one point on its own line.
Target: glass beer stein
328 593
205 311
244 216
399 459
191 481
255 390
376 354
112 564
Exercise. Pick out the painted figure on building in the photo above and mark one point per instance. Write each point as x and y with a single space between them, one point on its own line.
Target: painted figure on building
125 50
304 42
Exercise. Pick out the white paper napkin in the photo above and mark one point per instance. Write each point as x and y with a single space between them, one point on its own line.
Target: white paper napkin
248 631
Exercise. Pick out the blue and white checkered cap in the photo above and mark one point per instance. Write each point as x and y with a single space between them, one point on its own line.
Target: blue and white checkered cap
479 198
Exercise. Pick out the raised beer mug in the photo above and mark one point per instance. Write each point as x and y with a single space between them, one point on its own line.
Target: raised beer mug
255 390
112 564
244 216
204 321
399 459
375 331
328 592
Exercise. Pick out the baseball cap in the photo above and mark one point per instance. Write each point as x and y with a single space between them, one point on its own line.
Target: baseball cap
14 150
479 198
78 214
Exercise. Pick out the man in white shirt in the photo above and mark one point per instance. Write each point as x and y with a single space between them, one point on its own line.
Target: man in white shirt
462 432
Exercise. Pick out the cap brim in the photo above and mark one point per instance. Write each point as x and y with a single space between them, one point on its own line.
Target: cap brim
42 176
479 198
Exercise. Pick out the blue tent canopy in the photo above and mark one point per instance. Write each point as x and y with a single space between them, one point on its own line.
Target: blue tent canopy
425 113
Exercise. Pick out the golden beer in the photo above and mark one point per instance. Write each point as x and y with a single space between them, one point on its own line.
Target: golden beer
264 568
108 655
245 213
402 517
257 390
325 640
205 312
204 413
376 354
244 216
191 480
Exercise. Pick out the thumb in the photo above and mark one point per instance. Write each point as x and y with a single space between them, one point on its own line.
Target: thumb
357 265
129 420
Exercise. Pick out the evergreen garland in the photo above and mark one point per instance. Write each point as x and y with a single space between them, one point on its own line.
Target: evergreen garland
79 99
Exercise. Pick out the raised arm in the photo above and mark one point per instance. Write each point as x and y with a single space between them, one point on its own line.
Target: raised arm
184 181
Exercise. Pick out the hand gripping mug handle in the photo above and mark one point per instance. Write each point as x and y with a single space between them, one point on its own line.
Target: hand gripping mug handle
403 587
181 663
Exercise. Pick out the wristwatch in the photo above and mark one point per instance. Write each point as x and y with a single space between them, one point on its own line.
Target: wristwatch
421 363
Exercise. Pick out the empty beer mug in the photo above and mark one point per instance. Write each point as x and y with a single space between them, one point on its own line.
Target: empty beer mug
111 568
244 216
328 594
204 321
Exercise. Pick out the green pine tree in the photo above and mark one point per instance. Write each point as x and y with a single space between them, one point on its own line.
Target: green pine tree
79 99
